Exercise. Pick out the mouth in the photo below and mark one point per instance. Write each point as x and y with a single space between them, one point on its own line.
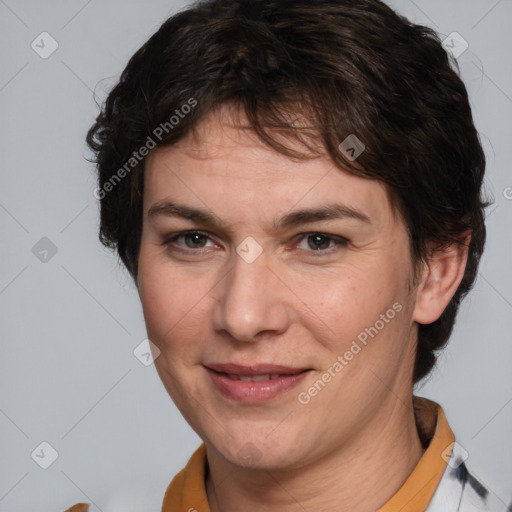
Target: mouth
254 370
256 383
252 378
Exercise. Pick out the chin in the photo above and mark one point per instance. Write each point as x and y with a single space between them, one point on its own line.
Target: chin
262 452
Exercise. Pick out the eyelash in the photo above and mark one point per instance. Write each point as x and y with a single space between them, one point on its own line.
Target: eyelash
338 241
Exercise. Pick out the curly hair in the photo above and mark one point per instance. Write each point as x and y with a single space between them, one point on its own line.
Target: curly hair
349 66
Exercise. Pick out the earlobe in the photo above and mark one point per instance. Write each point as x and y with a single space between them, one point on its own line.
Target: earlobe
441 277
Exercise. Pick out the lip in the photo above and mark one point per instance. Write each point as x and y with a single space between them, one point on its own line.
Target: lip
256 369
254 392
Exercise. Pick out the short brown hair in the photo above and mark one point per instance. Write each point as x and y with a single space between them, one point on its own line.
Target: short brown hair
353 67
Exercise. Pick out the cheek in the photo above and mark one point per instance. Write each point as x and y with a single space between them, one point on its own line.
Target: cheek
174 305
162 299
342 304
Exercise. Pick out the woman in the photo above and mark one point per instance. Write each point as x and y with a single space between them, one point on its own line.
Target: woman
295 188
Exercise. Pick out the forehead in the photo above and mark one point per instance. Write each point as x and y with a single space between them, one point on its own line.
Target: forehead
226 167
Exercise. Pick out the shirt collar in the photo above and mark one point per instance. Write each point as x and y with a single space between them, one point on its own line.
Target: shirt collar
187 492
437 437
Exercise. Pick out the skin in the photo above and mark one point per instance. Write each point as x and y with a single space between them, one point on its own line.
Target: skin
355 443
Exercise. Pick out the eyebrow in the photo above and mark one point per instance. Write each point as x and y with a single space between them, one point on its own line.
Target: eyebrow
289 220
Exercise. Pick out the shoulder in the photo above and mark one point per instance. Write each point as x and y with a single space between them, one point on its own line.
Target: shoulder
132 496
79 507
460 491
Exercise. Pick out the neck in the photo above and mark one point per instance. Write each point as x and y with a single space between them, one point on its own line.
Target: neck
359 476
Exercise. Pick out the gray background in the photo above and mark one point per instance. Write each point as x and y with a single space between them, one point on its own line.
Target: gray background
69 324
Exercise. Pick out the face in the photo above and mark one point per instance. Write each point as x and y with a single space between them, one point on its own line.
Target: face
252 265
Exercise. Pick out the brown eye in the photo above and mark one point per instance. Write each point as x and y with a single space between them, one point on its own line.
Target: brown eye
318 241
320 244
191 242
195 240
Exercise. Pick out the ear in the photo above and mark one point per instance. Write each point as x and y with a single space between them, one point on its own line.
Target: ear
441 277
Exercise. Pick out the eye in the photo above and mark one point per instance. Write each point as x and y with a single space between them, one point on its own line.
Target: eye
321 242
192 240
195 242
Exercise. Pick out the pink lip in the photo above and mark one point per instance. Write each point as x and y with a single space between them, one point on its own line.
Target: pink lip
254 392
257 369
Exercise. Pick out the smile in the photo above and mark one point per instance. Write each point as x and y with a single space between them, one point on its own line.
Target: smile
247 386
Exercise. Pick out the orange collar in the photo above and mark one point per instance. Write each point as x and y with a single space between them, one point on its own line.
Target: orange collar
434 431
187 492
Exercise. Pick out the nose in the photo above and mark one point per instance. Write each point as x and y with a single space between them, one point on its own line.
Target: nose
251 301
